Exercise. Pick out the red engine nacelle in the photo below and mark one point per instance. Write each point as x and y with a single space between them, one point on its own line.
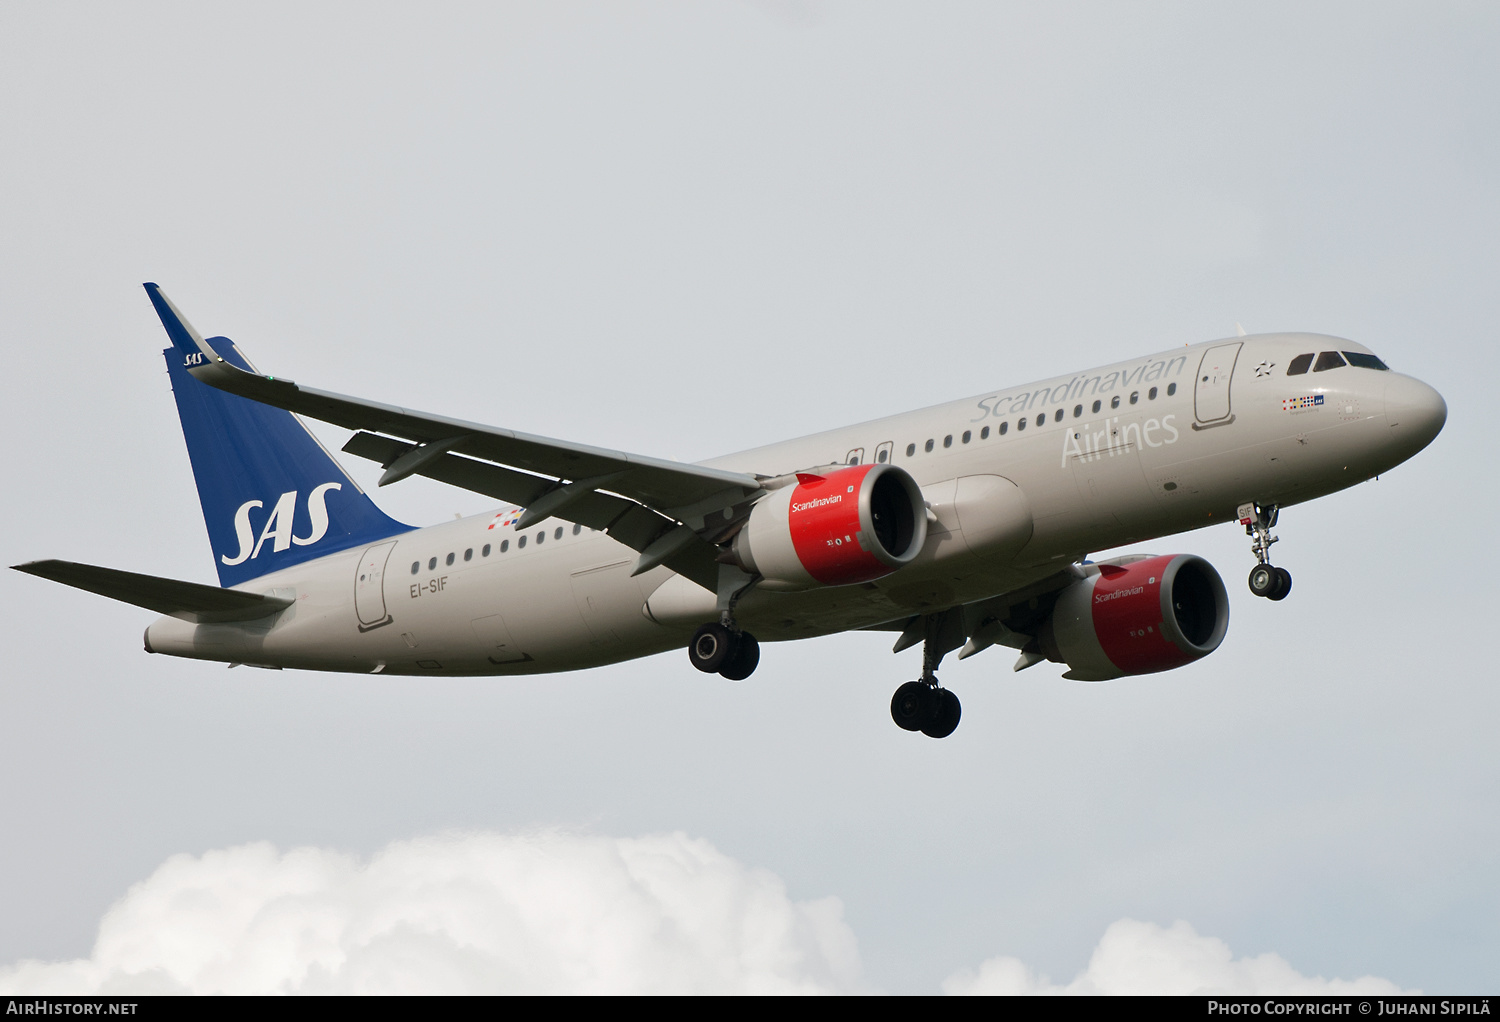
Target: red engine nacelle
851 525
1137 618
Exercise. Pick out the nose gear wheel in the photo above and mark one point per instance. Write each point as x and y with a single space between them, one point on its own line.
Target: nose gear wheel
1263 580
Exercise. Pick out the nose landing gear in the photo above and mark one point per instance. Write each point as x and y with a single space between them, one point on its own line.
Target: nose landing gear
1266 580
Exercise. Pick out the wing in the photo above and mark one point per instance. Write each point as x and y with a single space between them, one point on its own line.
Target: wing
671 513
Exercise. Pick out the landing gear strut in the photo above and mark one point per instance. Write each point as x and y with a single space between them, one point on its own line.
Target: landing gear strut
1266 579
923 705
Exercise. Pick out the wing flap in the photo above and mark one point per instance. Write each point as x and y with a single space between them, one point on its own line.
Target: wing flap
594 509
189 601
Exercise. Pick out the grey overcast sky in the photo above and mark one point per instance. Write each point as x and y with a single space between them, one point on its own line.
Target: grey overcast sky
690 228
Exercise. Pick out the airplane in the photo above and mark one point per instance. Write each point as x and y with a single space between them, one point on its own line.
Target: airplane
961 526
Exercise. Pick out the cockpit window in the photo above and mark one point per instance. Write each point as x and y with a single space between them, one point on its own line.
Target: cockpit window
1299 365
1329 360
1360 360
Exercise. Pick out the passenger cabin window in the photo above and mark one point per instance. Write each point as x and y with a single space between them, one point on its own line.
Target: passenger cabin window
1020 424
928 448
1329 360
1135 396
577 528
520 542
484 551
1151 394
505 545
432 564
414 566
1299 365
984 434
911 450
948 440
1171 389
557 533
1004 427
1114 402
449 561
1057 415
1077 411
469 554
1097 406
967 436
1360 360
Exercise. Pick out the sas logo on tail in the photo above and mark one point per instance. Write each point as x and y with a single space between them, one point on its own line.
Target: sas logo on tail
278 527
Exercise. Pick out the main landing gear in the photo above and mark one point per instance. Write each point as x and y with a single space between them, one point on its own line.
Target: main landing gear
722 648
1266 580
725 651
923 705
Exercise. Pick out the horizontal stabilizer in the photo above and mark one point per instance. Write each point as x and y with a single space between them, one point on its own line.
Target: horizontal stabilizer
186 600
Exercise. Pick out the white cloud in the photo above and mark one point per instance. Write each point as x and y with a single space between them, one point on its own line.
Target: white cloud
461 913
553 912
1143 958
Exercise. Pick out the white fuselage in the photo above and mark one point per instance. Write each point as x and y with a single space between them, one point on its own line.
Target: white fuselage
1130 452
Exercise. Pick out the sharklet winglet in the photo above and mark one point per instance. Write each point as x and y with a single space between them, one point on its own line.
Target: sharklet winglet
185 339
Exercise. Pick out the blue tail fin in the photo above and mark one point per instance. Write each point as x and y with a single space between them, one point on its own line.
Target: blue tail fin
272 495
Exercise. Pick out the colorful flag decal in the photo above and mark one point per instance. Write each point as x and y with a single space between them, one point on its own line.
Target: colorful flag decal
1297 404
506 517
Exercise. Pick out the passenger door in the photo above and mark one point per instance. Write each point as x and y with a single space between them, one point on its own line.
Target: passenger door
369 586
1211 388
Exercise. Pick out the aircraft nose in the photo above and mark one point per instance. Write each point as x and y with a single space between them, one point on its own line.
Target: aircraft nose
1414 411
